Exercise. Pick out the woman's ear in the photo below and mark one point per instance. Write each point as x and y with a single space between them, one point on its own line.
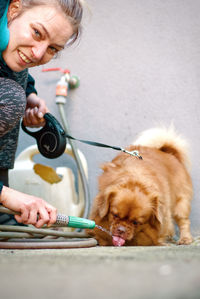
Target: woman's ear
14 9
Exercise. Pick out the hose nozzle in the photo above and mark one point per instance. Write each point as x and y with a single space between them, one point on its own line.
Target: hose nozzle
76 222
70 221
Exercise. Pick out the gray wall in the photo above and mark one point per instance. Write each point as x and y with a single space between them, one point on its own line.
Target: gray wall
139 66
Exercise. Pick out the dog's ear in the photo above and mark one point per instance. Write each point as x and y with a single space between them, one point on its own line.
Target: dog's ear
107 166
156 217
104 199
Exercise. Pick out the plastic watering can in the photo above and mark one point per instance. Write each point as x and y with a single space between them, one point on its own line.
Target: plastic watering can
57 187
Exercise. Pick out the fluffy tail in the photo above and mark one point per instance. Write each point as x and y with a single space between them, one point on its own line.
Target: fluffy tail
166 140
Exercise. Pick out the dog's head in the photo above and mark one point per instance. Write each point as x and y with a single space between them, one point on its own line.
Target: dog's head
127 207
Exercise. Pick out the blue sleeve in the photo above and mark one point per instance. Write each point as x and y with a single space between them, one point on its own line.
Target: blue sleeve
30 86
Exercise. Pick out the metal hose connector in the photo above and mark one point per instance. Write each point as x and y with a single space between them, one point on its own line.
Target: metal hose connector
62 219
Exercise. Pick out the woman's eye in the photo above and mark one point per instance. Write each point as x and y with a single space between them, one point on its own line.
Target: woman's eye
37 33
53 50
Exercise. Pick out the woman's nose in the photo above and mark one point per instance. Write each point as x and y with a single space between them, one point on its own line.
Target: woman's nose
38 51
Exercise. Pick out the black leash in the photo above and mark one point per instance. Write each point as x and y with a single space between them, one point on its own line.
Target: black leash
51 139
93 143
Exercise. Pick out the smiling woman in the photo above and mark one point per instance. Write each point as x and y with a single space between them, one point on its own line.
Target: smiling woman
37 34
31 33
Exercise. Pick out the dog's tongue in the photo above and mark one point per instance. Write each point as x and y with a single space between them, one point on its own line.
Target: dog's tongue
117 241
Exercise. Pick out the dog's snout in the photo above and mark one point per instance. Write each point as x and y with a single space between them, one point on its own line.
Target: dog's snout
121 230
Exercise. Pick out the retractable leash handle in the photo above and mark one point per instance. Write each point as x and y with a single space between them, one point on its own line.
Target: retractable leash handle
51 139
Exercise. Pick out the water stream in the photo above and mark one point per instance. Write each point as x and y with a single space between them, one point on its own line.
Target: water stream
103 229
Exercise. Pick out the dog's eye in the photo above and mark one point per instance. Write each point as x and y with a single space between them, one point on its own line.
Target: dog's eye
135 222
115 215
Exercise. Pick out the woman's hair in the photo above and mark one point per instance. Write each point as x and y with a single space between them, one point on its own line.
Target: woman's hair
73 9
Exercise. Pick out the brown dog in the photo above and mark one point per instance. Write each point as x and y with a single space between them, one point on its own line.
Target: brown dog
139 200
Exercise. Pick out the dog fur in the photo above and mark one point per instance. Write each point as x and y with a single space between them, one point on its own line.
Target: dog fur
139 200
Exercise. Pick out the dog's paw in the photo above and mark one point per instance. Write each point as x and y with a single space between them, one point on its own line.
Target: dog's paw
104 243
185 240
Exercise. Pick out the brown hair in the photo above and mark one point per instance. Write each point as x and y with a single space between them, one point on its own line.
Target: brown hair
73 9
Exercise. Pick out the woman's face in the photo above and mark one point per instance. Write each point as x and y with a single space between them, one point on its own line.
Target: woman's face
35 36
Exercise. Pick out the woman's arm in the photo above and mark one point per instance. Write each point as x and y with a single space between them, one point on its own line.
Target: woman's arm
34 210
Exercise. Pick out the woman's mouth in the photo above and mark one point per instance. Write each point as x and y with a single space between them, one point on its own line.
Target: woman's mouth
23 57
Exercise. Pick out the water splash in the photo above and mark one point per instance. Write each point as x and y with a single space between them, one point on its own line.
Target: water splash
103 229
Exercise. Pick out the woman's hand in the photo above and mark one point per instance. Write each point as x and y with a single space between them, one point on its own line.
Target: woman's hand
33 210
35 110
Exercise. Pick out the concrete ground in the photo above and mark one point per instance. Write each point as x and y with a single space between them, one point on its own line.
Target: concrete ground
101 272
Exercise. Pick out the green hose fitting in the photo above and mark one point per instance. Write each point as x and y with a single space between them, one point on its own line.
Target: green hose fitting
80 222
73 221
